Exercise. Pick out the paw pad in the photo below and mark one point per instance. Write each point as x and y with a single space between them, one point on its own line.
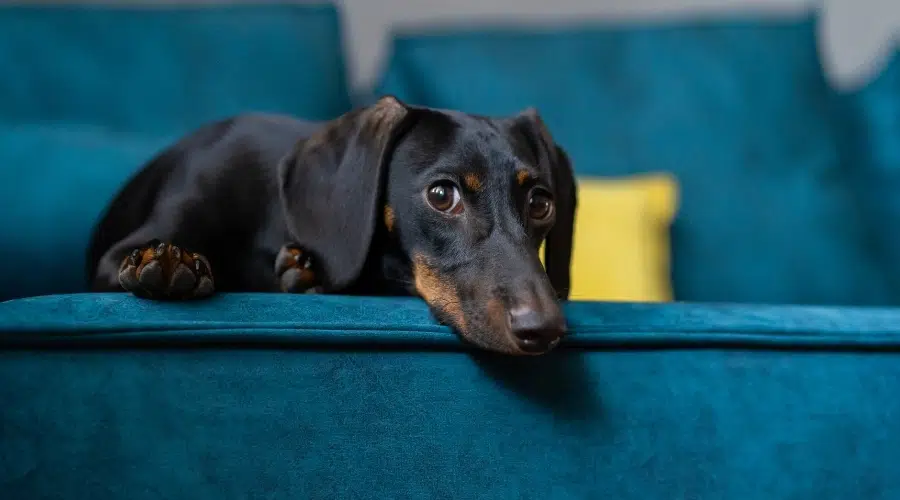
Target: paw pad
295 270
162 271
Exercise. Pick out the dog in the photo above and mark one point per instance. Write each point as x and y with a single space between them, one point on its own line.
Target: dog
387 199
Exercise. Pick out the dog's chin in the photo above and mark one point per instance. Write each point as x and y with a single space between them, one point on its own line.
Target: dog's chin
490 338
501 341
504 344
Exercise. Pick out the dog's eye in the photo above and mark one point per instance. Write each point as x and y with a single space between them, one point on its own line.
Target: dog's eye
444 197
540 204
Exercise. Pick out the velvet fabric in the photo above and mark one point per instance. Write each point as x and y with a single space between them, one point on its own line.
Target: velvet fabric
279 396
90 93
105 396
871 123
168 68
737 109
55 183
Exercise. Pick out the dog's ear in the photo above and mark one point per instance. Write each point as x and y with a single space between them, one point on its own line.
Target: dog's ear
559 246
559 243
331 187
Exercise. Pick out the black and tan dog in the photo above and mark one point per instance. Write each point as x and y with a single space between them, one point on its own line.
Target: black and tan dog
389 199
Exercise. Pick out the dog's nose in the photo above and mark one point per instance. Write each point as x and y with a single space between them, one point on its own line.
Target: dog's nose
535 331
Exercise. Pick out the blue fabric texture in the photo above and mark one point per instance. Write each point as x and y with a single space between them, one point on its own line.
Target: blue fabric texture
872 128
105 396
55 182
166 69
93 92
280 396
738 110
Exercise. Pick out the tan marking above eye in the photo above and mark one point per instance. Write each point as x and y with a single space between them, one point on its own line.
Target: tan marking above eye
389 217
522 176
473 182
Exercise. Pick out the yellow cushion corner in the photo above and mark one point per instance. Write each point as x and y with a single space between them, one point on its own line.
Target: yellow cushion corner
621 244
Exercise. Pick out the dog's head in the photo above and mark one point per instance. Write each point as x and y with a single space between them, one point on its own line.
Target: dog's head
468 200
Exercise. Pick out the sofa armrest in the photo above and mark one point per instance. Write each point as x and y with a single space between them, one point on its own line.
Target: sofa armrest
104 396
341 320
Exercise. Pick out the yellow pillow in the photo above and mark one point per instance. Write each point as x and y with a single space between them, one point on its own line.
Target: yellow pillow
621 242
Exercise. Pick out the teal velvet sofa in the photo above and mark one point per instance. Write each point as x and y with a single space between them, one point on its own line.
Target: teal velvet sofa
775 374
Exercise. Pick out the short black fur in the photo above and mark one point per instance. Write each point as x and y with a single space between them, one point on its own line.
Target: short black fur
352 193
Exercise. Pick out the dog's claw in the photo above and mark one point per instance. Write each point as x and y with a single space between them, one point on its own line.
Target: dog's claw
162 271
294 270
199 265
135 258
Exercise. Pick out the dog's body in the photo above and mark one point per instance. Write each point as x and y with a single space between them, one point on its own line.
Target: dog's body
211 193
385 200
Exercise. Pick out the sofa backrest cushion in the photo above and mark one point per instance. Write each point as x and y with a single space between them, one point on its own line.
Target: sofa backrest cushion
738 110
89 93
159 68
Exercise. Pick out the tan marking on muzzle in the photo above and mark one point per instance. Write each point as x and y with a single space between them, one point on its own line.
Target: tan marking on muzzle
496 315
437 290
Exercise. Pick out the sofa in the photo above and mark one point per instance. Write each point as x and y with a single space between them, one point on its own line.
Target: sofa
736 334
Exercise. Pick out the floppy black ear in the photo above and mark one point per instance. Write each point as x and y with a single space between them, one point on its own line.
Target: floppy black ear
559 243
331 188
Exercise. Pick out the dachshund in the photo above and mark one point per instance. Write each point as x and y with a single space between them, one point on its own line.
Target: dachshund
387 199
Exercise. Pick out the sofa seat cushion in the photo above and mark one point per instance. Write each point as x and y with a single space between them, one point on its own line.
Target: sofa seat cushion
280 396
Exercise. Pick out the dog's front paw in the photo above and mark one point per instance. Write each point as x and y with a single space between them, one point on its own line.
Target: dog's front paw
159 270
295 271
